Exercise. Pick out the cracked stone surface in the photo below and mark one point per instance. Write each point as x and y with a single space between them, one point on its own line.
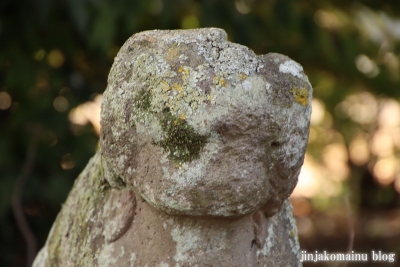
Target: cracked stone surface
202 142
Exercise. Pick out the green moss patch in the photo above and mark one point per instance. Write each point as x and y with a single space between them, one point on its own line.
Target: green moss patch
180 139
142 101
183 143
300 95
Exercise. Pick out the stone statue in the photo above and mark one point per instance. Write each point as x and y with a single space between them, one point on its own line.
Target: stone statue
201 145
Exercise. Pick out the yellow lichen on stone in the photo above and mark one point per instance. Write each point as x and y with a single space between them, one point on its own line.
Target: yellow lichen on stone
183 70
172 53
292 233
218 80
242 76
222 82
300 95
182 116
180 95
177 165
177 87
165 86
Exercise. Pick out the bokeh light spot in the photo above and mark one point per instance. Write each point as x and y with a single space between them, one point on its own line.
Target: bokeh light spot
301 206
190 22
60 104
305 226
87 112
389 115
67 162
335 159
242 7
55 58
366 66
312 137
392 62
361 107
382 144
309 184
39 55
318 111
5 100
327 19
359 151
384 170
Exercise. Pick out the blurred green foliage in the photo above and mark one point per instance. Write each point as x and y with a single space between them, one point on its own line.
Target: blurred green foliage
56 55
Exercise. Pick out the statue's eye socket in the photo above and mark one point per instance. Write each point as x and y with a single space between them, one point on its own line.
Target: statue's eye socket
228 129
222 128
276 144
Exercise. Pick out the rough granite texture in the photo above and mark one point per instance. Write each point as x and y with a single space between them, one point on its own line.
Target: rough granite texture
201 142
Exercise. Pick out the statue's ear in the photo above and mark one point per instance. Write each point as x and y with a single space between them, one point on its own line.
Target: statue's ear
260 228
117 213
272 206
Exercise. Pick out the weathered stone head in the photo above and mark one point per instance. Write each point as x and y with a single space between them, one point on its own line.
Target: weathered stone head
197 125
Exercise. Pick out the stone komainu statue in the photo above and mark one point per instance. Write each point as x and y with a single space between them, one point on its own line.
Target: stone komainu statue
202 142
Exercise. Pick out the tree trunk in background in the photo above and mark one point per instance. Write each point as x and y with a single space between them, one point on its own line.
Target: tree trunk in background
202 142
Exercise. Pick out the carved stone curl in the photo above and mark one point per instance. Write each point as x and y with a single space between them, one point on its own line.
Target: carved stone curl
202 142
